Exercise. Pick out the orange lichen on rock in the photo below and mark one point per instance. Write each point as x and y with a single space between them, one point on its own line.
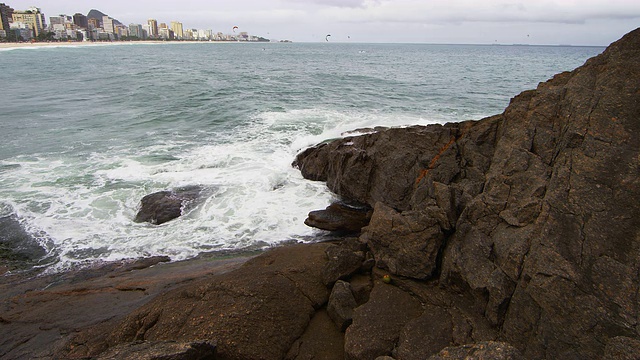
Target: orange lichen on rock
435 159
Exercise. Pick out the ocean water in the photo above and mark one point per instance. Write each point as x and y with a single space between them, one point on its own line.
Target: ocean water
87 131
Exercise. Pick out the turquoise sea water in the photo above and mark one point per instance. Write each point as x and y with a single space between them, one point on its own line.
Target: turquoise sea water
87 131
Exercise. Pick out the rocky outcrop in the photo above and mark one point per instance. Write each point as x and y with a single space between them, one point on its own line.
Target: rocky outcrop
533 212
163 206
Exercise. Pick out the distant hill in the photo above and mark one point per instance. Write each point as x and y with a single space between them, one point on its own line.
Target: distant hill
97 14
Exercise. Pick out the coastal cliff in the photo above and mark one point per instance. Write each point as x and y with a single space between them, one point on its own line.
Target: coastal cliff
516 236
532 212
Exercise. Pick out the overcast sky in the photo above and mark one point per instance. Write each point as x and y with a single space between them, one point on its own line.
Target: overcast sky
576 22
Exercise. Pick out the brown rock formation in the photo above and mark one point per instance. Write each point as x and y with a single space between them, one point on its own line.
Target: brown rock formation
255 312
536 207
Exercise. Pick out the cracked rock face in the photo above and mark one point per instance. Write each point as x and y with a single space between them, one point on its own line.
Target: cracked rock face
537 206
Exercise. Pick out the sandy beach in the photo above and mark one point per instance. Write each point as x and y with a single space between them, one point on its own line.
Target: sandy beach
8 46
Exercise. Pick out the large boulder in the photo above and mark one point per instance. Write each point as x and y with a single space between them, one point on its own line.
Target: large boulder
382 166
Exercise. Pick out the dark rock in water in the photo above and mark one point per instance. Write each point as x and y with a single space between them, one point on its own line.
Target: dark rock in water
340 216
163 206
18 249
161 350
484 350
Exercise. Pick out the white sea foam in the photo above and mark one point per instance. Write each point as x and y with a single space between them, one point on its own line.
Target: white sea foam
253 197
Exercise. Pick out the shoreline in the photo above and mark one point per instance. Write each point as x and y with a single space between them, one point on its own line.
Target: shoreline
28 45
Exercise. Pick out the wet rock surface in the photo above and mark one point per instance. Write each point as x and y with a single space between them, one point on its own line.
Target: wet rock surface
163 206
18 249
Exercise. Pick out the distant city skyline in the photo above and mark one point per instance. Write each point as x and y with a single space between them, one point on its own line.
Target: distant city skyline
586 22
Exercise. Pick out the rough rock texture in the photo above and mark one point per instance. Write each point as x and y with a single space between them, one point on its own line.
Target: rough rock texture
321 340
622 348
163 206
36 313
341 305
344 260
489 350
405 243
340 217
161 350
255 312
536 207
377 324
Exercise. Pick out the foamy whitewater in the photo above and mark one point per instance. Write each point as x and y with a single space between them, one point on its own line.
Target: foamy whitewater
86 132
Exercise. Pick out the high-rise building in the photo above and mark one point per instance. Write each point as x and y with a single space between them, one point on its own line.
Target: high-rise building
153 27
108 25
60 20
166 33
135 30
6 13
94 23
81 20
32 17
176 26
